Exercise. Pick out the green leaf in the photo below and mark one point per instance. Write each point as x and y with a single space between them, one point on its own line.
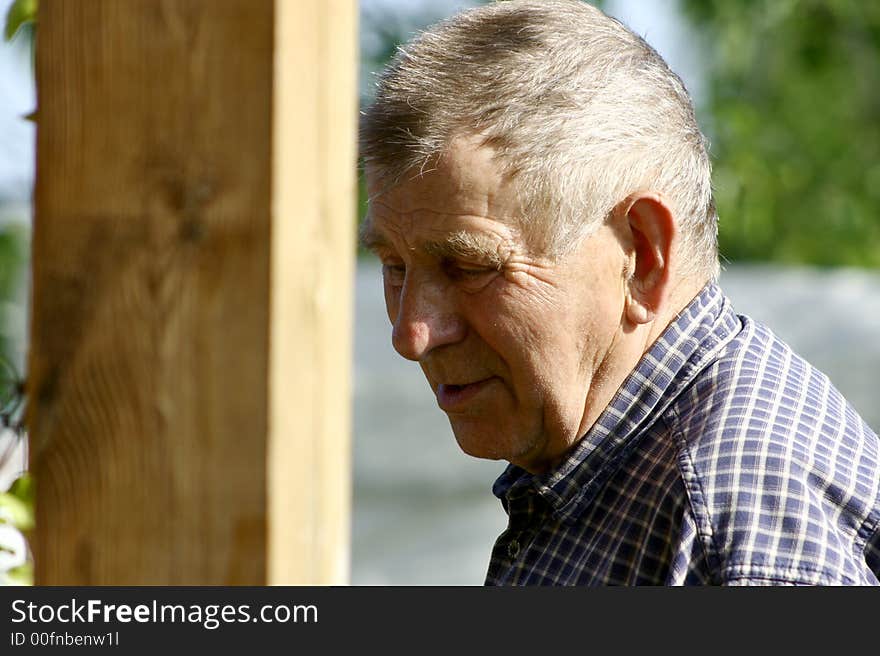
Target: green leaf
23 489
14 511
20 13
17 505
21 575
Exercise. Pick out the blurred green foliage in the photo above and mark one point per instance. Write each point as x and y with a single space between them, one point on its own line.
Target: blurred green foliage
17 503
17 514
794 104
14 248
21 14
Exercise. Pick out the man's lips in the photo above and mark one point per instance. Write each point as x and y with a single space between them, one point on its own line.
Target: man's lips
452 398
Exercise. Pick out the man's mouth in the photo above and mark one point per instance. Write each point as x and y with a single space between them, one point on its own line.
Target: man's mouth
452 398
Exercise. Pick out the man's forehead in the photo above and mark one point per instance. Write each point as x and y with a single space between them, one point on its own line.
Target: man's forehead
461 199
436 234
435 192
465 179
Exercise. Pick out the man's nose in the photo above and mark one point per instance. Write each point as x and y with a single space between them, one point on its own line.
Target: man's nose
426 318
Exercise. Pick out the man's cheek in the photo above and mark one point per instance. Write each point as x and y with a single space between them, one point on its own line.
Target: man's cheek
531 299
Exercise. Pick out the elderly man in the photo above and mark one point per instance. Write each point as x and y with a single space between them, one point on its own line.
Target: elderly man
540 199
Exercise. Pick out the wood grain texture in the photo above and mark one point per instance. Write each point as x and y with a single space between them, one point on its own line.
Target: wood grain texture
152 376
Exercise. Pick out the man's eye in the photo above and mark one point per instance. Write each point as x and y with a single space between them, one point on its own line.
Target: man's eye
394 274
468 272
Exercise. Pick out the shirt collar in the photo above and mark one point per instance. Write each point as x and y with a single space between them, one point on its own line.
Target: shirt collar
687 345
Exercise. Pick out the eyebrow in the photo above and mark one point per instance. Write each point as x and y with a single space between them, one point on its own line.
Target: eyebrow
467 245
460 244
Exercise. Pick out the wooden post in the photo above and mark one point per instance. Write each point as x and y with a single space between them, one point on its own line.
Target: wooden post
192 281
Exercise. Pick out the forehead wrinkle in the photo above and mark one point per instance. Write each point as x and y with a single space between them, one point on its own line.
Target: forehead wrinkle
413 213
369 237
461 243
372 237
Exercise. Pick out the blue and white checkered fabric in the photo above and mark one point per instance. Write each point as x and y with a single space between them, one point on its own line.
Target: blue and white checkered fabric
723 459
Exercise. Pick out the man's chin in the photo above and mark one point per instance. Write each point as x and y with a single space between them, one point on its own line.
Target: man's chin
487 444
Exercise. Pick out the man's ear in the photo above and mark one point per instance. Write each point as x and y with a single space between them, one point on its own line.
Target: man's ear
654 239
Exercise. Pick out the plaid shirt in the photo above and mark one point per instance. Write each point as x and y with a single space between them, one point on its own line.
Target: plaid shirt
724 458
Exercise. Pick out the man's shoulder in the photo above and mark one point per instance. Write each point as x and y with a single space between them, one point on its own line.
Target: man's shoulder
757 386
782 473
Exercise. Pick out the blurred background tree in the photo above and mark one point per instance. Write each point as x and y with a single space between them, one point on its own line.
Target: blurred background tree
794 109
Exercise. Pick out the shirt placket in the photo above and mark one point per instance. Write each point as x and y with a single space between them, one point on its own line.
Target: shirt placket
526 512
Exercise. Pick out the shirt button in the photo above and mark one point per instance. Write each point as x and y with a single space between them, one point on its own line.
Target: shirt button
513 549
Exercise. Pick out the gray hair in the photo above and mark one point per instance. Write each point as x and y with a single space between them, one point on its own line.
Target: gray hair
579 111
